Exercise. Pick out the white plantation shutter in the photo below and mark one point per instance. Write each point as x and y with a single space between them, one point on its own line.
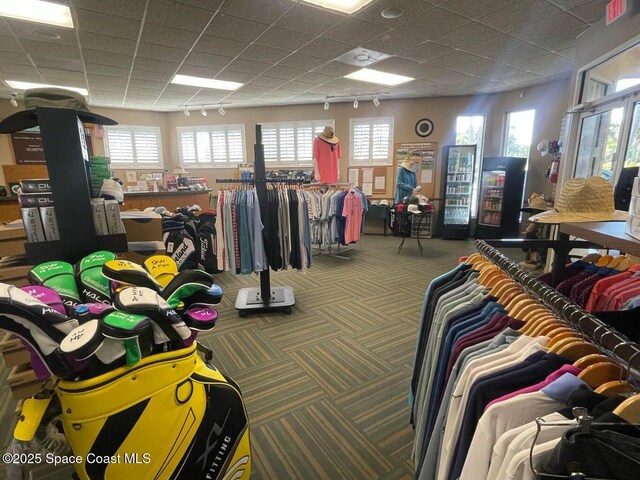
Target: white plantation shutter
291 143
371 140
134 146
212 145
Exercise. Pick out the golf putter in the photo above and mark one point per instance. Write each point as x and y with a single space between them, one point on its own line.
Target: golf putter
129 273
161 267
134 331
94 286
168 325
60 277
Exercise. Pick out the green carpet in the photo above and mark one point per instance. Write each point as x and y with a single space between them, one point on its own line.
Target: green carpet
326 387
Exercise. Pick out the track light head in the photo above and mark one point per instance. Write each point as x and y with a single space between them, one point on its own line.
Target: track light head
13 101
187 113
376 101
355 103
326 103
203 111
221 110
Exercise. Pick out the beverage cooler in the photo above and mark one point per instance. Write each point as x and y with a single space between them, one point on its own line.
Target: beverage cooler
457 183
500 197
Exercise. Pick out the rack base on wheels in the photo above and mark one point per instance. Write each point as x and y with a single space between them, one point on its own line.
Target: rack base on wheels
250 300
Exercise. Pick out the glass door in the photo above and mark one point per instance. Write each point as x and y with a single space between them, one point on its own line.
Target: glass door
491 197
458 186
598 144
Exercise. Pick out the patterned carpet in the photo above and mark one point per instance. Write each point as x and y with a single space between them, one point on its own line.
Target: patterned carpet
326 387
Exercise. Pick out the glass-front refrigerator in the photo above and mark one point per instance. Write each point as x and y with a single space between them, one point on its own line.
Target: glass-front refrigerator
500 197
457 183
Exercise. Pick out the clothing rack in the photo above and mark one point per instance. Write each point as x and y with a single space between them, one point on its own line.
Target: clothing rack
266 298
615 344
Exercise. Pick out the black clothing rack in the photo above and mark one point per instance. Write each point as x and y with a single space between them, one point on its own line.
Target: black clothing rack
615 344
267 298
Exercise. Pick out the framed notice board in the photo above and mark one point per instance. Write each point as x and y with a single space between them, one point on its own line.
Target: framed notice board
27 147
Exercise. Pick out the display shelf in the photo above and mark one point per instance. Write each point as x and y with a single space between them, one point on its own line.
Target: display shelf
608 234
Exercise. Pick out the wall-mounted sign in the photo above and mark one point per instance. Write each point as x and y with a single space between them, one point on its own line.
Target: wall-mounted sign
615 10
27 147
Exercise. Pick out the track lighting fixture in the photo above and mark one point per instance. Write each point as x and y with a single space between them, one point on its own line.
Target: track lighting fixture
221 110
186 111
376 101
203 111
13 101
355 103
326 103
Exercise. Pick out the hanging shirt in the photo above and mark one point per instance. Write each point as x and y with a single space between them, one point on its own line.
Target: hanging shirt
406 181
327 157
352 210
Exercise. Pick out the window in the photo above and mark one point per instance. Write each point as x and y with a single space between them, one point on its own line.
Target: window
291 143
134 146
611 76
371 141
519 133
598 143
470 131
211 146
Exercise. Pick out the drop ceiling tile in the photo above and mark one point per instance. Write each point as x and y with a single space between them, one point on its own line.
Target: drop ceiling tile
426 51
266 81
234 28
550 64
51 49
155 65
314 78
282 38
264 11
106 81
494 47
240 97
236 76
455 59
285 73
178 90
162 52
302 62
412 8
246 66
93 41
568 52
106 97
9 44
106 69
138 83
558 25
568 4
557 44
287 92
163 12
47 61
325 48
340 84
149 91
10 69
262 53
475 8
309 19
525 55
487 69
136 98
469 34
14 58
98 57
397 65
122 8
434 23
354 31
254 89
393 42
439 75
208 97
220 46
169 36
336 69
591 12
109 25
142 74
560 76
522 77
199 71
518 15
211 5
295 85
56 76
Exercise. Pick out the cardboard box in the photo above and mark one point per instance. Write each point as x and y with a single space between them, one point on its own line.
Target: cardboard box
40 185
140 251
23 381
28 200
14 273
14 351
12 238
142 226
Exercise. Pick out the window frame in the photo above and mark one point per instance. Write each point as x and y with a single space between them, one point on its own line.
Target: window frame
133 129
209 129
370 120
271 164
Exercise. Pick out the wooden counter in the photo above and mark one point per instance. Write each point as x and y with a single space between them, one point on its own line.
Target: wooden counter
9 209
169 200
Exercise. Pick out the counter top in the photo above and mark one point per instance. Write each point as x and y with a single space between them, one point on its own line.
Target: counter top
178 192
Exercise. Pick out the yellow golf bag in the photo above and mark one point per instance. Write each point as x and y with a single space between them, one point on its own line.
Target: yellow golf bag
171 416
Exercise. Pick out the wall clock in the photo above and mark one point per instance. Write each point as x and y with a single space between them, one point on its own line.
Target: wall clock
424 127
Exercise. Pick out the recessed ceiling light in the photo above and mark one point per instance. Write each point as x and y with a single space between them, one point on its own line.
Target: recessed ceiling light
376 76
345 6
205 82
37 11
392 12
18 85
48 35
361 57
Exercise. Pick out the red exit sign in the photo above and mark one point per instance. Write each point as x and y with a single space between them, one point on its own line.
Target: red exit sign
615 10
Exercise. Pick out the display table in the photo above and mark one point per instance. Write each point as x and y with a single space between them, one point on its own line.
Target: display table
169 200
418 223
381 212
608 234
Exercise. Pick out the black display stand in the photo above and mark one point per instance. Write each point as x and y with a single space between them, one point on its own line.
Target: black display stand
266 298
67 158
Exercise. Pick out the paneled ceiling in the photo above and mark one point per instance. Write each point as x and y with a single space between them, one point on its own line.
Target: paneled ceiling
125 52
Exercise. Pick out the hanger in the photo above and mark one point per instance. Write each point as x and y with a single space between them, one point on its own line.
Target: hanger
629 410
621 385
575 349
591 257
592 359
600 373
604 261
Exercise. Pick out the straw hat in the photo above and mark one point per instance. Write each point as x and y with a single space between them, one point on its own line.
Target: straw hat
328 135
583 200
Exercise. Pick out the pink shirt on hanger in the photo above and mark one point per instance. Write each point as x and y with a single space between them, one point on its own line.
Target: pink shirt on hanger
327 157
352 210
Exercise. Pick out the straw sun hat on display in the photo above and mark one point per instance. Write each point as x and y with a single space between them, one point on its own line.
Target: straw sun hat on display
328 135
583 200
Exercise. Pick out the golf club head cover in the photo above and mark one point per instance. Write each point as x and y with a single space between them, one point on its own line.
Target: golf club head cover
59 276
200 317
135 331
94 286
37 324
187 276
186 294
161 267
129 273
46 295
210 296
180 246
168 325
